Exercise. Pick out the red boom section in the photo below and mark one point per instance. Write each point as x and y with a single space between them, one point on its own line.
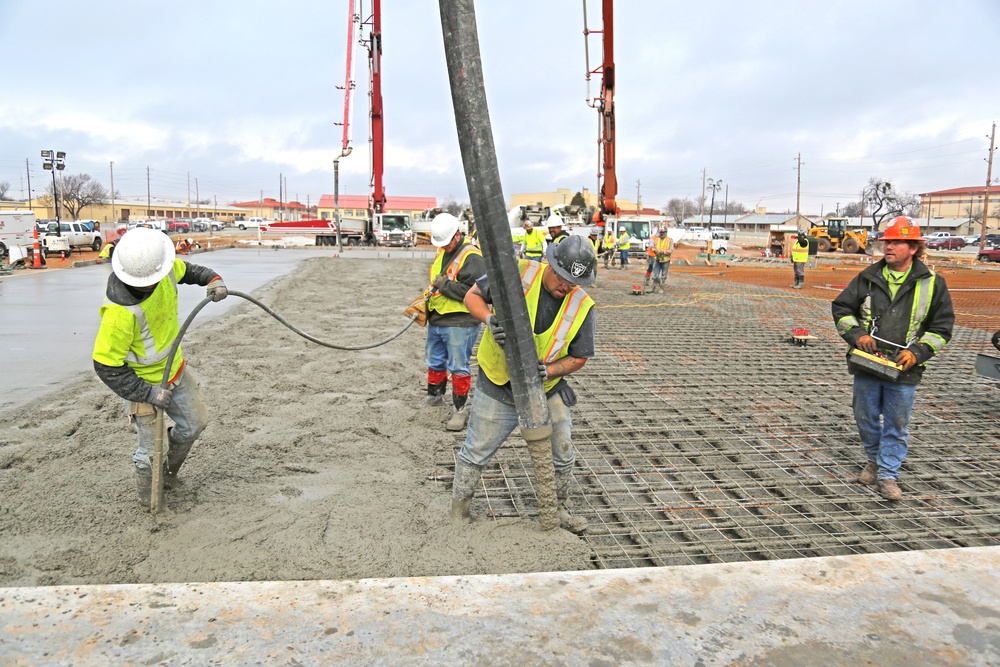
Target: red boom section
609 188
375 64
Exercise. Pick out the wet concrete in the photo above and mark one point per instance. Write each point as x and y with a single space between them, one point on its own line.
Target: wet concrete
50 317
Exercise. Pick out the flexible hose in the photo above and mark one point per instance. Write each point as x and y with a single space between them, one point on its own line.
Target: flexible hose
266 309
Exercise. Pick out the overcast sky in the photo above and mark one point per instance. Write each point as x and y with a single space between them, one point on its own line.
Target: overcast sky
236 92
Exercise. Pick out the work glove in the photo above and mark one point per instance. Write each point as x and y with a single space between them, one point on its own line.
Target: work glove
158 396
499 335
906 359
543 372
440 281
216 290
866 344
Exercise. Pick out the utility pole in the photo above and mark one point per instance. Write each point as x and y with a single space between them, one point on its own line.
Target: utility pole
149 199
638 197
701 216
197 197
114 218
986 198
189 194
798 190
27 169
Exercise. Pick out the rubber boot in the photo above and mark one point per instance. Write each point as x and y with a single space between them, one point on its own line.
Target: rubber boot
574 524
144 486
461 414
462 489
176 456
435 395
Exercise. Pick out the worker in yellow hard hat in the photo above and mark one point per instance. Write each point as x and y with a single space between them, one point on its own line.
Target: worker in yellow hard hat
901 311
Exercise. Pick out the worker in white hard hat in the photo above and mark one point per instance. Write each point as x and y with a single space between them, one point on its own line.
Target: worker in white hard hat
139 322
555 227
183 247
451 330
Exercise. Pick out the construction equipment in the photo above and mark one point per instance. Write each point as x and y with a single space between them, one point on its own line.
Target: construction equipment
835 235
607 207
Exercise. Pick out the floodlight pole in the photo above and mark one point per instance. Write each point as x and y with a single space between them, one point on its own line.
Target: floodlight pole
55 160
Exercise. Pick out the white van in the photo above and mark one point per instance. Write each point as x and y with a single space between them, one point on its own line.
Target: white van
17 230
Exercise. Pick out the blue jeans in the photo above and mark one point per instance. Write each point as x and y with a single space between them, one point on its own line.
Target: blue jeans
491 421
624 256
882 413
189 414
660 267
450 348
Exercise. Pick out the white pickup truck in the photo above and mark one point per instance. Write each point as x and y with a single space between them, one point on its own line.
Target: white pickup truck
79 234
250 223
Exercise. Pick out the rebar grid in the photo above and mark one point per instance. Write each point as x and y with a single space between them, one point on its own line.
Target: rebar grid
704 436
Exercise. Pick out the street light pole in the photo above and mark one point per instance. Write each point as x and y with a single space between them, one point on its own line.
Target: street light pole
714 186
55 161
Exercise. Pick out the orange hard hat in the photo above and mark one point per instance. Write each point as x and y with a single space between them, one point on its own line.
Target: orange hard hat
902 229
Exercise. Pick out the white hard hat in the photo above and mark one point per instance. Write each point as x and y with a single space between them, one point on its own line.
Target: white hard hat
554 220
443 228
143 257
189 240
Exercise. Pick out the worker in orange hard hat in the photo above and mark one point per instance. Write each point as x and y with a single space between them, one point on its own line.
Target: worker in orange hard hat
901 310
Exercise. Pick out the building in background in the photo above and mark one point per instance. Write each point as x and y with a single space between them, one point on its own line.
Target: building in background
963 203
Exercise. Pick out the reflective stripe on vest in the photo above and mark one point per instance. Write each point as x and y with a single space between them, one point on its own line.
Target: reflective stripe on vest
923 292
533 242
438 302
663 245
800 254
624 241
151 356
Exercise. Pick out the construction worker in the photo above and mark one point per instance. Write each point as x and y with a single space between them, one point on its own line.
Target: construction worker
594 241
451 330
800 255
109 248
183 247
900 309
139 323
624 243
533 244
563 323
555 228
650 257
663 248
610 245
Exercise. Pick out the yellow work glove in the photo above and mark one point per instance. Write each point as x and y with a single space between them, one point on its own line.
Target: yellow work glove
906 359
866 344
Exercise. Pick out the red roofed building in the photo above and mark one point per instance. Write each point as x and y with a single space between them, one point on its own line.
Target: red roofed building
961 203
272 209
356 206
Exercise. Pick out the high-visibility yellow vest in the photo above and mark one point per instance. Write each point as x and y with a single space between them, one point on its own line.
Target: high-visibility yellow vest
533 241
800 253
596 243
609 241
624 241
663 245
141 335
439 303
550 345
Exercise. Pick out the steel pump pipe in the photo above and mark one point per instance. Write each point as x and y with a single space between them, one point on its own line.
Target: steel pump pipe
482 175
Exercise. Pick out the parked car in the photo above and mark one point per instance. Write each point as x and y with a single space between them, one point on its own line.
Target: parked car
989 255
251 223
205 224
971 240
945 241
179 225
993 240
719 233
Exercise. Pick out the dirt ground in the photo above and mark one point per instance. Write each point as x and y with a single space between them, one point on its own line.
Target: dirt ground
316 465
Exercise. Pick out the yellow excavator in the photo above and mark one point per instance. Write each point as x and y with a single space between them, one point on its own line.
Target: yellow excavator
835 235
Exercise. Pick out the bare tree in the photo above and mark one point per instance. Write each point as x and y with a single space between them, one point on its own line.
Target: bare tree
679 209
4 189
851 210
79 191
884 201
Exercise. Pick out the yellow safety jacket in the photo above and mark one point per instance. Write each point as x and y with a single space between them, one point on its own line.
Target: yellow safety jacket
550 345
624 241
609 241
800 253
439 302
533 242
662 247
596 243
141 335
106 250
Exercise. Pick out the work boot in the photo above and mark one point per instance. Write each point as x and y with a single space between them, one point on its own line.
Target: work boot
888 489
435 395
869 474
463 488
144 486
574 524
461 414
176 456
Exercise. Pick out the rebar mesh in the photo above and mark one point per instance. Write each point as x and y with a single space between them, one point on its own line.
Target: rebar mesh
704 436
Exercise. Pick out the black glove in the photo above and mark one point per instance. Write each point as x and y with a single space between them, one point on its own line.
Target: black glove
159 396
499 335
440 281
543 372
216 290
